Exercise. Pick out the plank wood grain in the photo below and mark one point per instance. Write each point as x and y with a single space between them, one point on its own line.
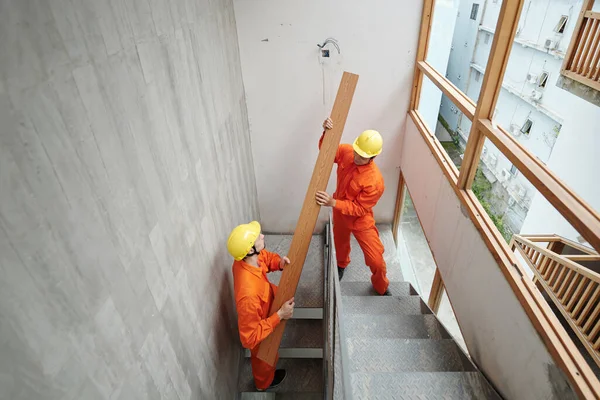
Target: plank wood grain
309 213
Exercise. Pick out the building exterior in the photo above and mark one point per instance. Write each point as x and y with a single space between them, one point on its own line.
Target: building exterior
531 106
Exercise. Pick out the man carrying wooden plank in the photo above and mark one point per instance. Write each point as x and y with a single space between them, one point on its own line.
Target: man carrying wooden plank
254 295
359 188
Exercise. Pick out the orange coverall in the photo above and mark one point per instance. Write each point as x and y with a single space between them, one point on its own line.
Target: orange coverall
254 295
359 188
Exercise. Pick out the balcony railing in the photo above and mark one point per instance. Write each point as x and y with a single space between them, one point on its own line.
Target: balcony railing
583 64
574 289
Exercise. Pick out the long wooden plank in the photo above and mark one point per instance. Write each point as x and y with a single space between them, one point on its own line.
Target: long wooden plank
504 37
309 213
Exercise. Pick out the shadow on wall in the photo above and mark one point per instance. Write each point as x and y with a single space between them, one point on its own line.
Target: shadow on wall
223 335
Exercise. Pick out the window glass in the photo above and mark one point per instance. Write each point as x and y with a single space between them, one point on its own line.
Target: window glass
460 44
450 126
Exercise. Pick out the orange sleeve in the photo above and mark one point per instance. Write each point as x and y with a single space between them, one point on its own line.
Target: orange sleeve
338 154
253 328
363 203
272 260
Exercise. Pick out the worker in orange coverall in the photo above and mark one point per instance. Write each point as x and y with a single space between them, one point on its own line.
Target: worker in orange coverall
254 295
359 188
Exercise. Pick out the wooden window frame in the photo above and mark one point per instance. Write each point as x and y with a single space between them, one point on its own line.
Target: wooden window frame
577 212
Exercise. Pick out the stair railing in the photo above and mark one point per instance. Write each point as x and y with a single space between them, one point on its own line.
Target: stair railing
336 362
574 289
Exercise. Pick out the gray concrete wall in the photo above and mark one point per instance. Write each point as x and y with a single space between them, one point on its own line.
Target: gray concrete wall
124 162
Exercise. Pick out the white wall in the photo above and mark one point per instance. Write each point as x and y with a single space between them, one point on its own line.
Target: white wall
576 160
290 89
500 337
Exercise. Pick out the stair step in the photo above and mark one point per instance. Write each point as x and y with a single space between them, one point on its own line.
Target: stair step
295 352
422 385
406 355
303 333
307 313
395 326
303 376
357 271
366 289
379 305
281 396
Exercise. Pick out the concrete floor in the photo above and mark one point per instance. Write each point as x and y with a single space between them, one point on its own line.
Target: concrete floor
418 266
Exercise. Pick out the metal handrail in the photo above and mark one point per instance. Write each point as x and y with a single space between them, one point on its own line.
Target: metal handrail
337 384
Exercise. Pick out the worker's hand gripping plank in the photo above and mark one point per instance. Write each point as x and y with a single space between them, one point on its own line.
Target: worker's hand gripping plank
309 214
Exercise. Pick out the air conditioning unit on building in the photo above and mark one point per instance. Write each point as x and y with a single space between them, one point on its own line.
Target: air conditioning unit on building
550 44
532 78
504 175
511 201
536 95
515 129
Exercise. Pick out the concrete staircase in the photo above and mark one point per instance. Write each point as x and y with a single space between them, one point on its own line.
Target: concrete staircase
396 347
301 351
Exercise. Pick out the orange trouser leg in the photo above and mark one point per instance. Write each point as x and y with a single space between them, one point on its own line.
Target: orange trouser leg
263 373
373 250
341 238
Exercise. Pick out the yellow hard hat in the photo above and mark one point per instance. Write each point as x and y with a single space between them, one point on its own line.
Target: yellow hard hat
242 238
368 144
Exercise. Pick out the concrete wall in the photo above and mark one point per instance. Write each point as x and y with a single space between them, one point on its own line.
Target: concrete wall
290 89
123 166
500 337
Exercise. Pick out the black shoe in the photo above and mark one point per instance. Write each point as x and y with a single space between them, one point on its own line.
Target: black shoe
341 273
387 293
279 377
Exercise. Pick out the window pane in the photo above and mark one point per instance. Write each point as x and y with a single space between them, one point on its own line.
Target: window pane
536 105
443 118
460 41
512 202
418 264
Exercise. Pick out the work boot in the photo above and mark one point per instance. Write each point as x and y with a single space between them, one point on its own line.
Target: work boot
341 273
387 292
279 377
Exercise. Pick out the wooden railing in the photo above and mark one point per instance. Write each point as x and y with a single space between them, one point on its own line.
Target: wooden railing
574 289
583 61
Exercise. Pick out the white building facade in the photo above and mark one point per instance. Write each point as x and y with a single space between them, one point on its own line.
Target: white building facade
530 106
